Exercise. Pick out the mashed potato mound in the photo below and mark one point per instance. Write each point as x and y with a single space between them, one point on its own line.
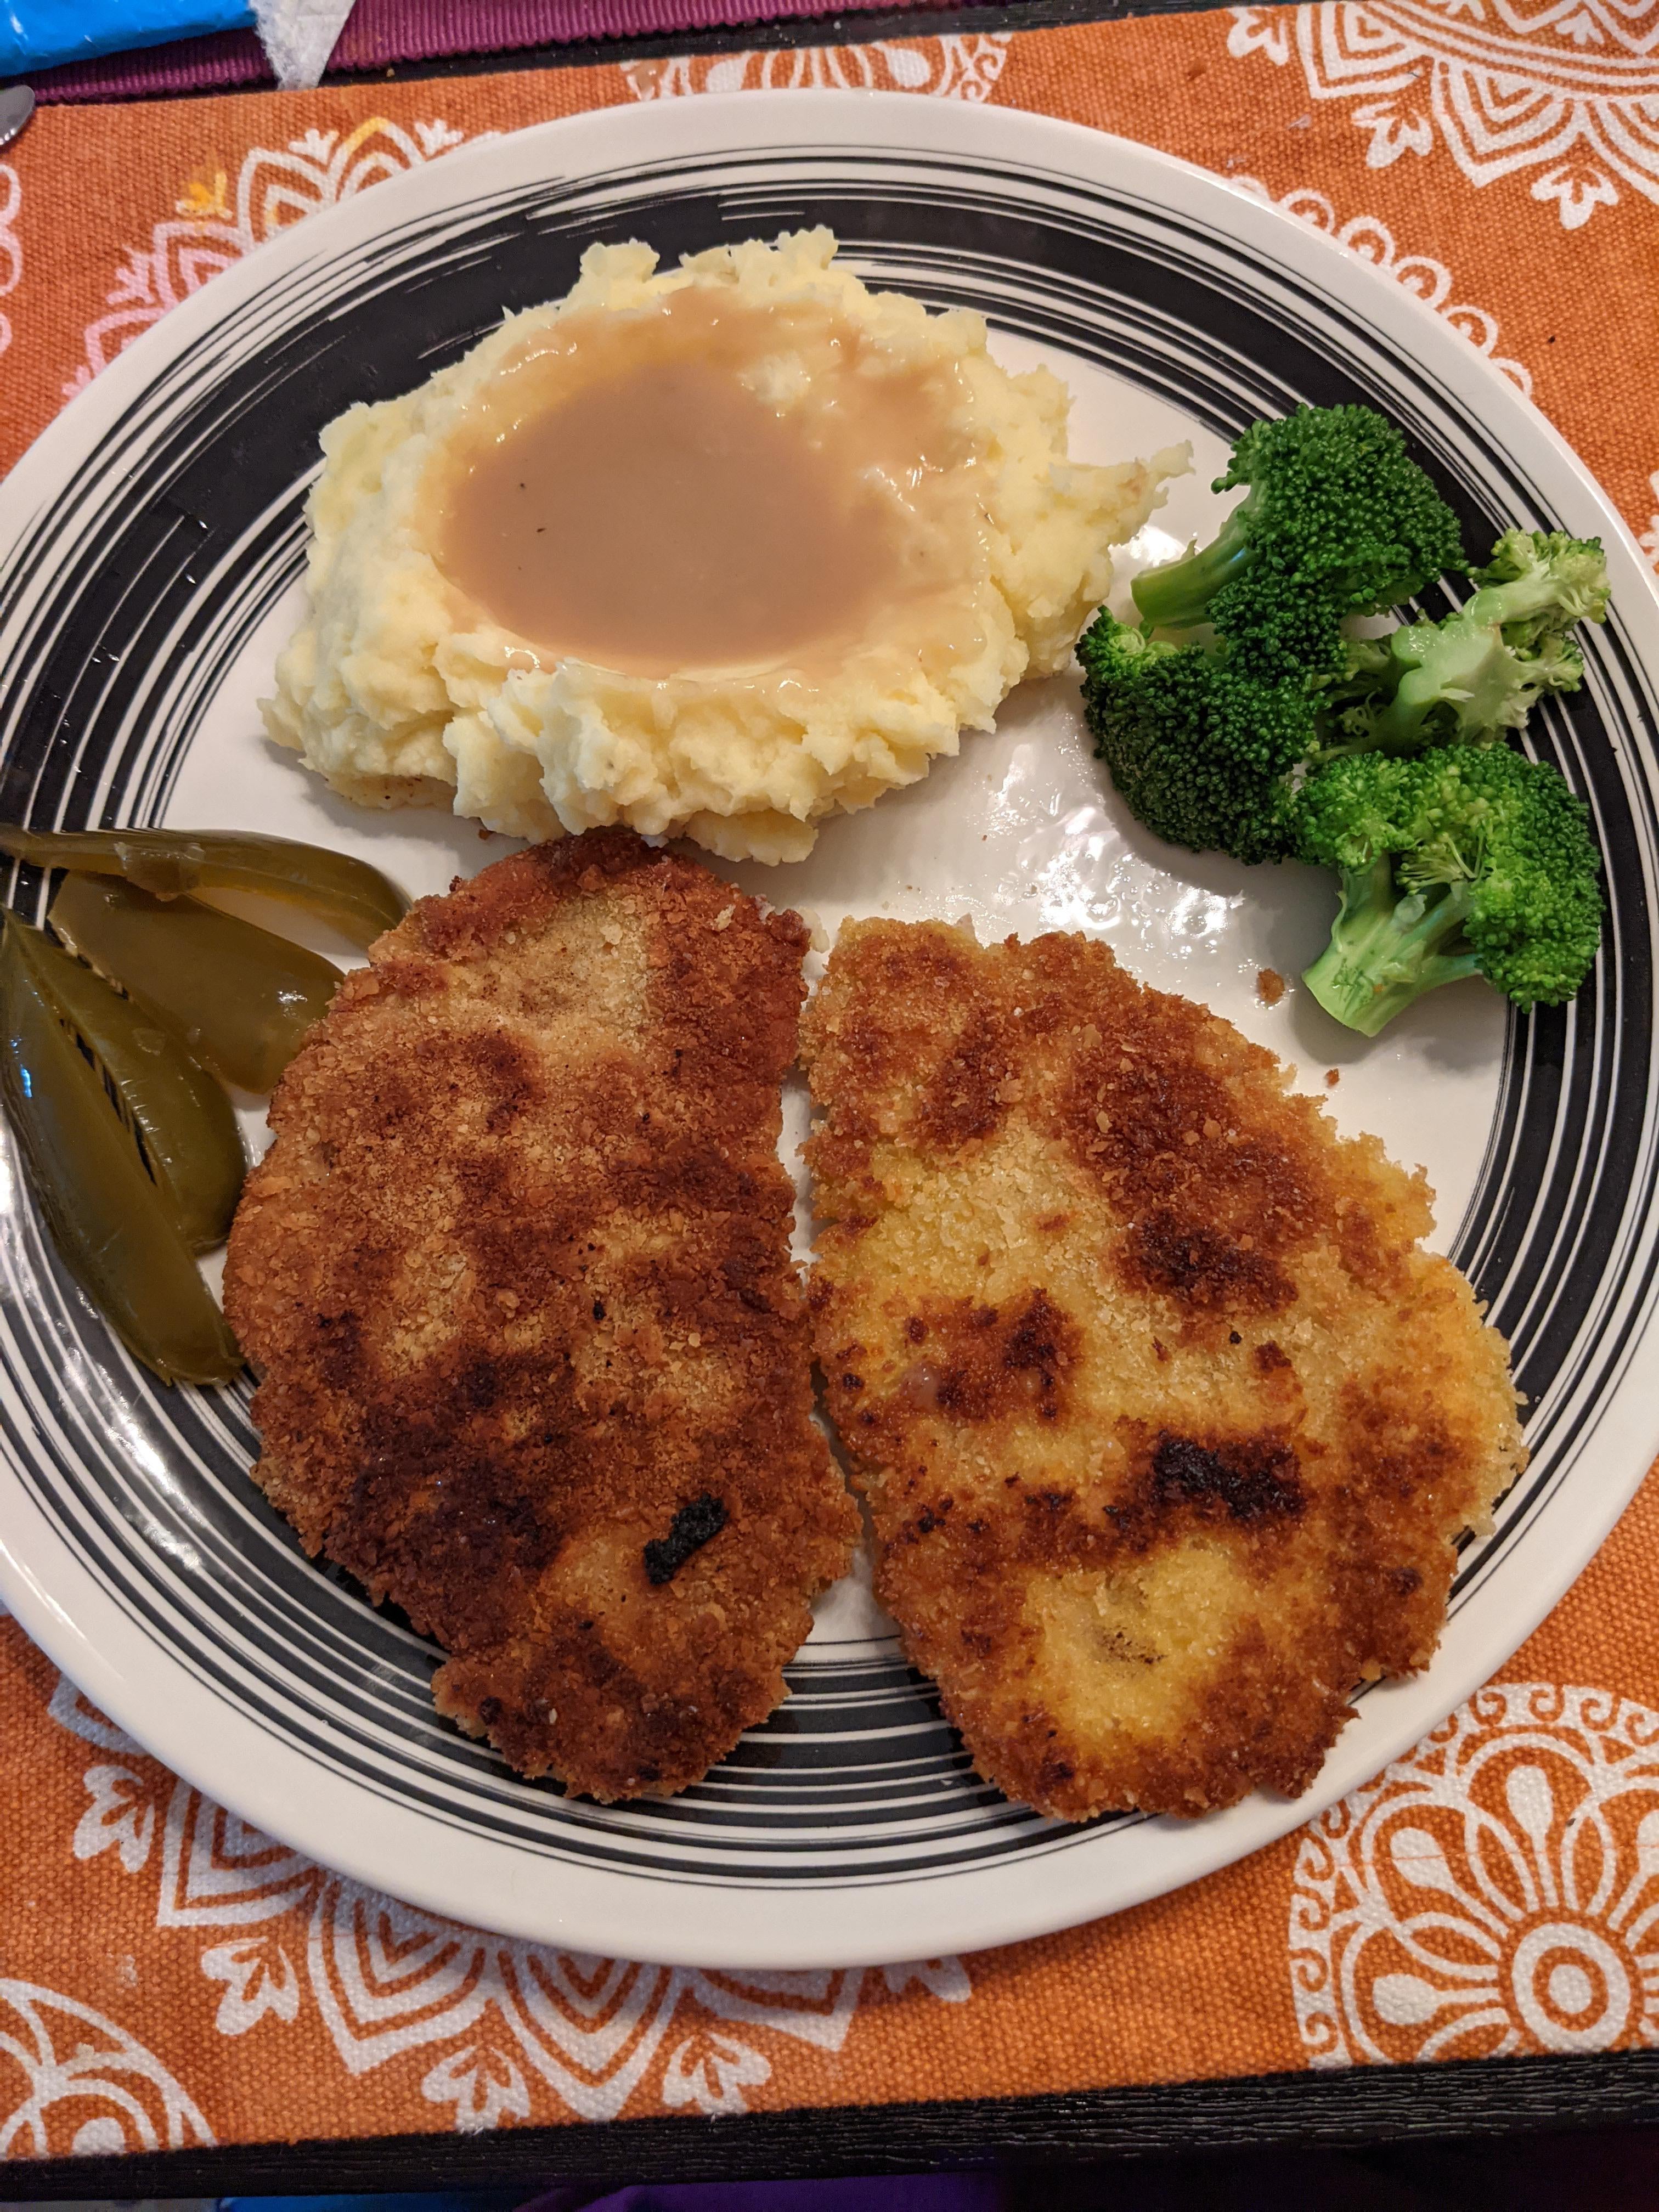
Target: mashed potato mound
399 691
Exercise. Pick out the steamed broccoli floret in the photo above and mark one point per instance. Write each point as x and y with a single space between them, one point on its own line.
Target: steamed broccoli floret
1462 861
1478 672
1200 753
1339 520
1205 751
1203 738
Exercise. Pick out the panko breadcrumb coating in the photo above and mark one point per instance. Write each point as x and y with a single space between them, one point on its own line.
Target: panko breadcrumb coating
516 1274
1166 1422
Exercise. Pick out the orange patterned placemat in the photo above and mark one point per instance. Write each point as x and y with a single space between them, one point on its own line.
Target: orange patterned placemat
172 1979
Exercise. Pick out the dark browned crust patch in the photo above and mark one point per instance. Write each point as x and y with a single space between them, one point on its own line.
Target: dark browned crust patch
516 1274
1167 1423
1248 1479
694 1525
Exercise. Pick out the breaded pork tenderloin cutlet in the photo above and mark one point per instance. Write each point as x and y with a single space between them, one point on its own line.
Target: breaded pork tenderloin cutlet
1166 1422
516 1274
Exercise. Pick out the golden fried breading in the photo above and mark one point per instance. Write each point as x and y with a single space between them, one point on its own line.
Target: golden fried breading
516 1272
1166 1424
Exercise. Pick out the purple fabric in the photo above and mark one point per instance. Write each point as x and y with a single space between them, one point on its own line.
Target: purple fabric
382 31
229 58
898 2192
379 33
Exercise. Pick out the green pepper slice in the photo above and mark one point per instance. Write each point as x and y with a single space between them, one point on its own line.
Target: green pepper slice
109 1221
238 999
169 864
181 1122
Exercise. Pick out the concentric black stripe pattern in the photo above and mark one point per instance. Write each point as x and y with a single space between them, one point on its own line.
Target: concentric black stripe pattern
127 599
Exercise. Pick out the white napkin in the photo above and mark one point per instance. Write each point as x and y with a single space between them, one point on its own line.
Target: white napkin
299 36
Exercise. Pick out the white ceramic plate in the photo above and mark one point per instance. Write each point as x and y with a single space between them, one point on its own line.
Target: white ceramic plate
150 546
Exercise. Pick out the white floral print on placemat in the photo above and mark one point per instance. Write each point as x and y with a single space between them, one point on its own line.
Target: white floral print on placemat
1373 241
1496 1892
11 250
1566 93
217 220
496 2022
1648 539
957 67
73 2082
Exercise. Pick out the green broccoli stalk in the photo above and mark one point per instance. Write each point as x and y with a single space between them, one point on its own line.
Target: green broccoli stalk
1461 860
1338 519
1389 946
1201 753
1478 672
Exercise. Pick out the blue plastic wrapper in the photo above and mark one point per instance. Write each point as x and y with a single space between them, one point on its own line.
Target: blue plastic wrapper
38 34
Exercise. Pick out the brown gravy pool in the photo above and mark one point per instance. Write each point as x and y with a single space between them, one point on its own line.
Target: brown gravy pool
629 498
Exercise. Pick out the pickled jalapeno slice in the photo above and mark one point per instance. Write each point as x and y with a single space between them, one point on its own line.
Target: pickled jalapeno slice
180 1122
238 999
169 864
110 1223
